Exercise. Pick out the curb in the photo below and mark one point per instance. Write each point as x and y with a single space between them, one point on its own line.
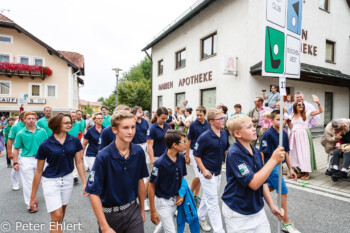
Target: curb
317 188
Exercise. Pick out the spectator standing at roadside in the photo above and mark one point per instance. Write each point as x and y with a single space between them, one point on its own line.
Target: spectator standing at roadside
313 120
289 104
238 110
272 97
185 103
302 152
257 117
89 121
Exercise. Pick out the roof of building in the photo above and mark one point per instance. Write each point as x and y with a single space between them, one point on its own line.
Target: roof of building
85 103
8 23
312 73
195 9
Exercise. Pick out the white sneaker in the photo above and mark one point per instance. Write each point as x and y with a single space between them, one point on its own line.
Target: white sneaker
146 205
205 225
15 188
290 228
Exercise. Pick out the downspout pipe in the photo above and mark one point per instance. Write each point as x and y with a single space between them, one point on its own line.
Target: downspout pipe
151 79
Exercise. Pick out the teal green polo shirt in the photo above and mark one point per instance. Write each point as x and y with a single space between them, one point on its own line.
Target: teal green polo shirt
106 121
74 131
44 124
15 129
7 132
82 124
29 142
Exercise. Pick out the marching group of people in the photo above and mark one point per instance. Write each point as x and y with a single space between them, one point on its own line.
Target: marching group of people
137 164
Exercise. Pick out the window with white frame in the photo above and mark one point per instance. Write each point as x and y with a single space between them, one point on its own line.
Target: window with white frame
35 89
5 57
5 87
6 39
51 90
24 60
38 61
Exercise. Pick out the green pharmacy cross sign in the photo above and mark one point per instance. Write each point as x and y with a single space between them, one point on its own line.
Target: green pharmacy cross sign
274 51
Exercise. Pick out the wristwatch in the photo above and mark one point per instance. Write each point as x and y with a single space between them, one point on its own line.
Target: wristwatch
15 164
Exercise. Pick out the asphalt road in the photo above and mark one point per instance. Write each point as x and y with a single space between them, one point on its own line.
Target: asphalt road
310 213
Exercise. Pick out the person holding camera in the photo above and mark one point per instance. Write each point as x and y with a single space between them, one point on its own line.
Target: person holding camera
272 98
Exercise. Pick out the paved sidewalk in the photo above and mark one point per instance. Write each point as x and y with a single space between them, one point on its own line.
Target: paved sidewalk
318 180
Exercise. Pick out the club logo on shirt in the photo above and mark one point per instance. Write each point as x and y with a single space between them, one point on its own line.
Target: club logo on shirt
92 176
99 141
264 143
155 171
243 169
196 146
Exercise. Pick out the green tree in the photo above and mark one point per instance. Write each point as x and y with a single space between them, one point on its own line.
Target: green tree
88 110
110 103
135 85
100 99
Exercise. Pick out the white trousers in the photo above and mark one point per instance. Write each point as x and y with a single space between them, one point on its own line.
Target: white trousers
210 202
166 211
14 173
90 161
194 163
57 191
239 223
15 176
27 169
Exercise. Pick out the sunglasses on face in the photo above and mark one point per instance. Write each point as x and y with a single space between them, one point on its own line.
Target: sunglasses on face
219 119
301 105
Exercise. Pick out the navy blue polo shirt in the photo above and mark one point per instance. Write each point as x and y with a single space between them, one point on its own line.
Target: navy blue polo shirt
241 167
115 179
211 149
195 130
270 142
59 157
141 132
167 175
157 134
93 136
106 138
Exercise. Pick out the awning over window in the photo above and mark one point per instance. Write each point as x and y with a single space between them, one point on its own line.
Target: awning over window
314 74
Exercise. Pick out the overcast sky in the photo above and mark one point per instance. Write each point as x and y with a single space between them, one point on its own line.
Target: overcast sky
109 33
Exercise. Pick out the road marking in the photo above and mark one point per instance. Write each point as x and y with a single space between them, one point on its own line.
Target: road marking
322 191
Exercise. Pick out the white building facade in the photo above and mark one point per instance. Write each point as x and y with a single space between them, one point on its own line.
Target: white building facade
189 56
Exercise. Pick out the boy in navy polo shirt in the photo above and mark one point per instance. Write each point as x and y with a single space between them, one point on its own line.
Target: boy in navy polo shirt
269 143
199 126
165 182
209 152
107 135
116 180
243 207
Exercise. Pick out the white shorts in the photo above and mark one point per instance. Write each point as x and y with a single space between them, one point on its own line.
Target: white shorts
144 147
194 163
90 161
240 223
57 191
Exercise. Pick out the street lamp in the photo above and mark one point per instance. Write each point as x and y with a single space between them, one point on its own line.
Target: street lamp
116 89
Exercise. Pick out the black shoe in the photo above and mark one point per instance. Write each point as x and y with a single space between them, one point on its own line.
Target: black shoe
339 175
75 180
32 211
330 172
9 166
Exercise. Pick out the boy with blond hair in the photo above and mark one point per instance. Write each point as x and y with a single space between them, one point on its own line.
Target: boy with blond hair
243 207
209 151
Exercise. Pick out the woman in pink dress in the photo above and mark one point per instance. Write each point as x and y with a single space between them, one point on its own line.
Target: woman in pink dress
302 152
